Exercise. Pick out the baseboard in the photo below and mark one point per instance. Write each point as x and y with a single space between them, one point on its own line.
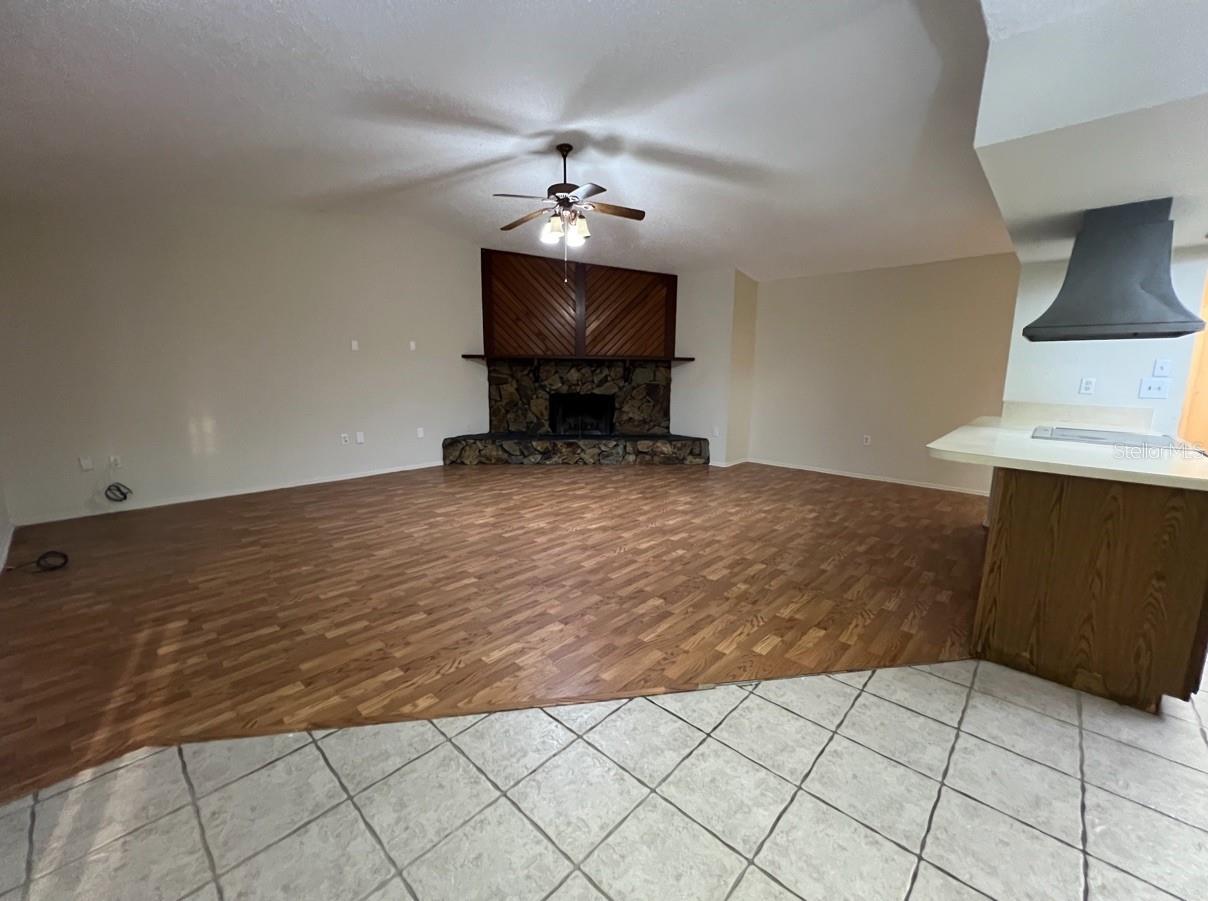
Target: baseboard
730 463
209 496
6 541
872 478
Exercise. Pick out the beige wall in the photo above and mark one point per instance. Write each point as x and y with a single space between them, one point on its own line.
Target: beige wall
211 350
903 355
742 367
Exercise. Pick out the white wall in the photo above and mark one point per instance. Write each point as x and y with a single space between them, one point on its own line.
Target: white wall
903 355
1092 60
1050 372
210 349
700 390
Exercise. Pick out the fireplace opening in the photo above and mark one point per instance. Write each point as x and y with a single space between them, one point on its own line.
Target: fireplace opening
581 414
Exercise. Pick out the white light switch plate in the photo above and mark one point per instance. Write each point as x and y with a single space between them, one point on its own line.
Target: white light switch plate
356 345
1155 389
1086 386
360 437
1162 368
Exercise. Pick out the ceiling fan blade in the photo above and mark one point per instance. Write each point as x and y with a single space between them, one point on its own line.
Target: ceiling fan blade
611 209
528 217
588 190
521 196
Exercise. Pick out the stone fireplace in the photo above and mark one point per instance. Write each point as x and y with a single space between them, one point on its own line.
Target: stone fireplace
520 394
578 411
578 359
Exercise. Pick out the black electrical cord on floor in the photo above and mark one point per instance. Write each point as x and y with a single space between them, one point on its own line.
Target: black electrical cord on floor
117 492
46 563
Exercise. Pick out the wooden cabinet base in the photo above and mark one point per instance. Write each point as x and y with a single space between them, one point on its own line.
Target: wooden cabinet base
1099 585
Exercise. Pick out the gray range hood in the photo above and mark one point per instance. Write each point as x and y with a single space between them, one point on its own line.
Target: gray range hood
1118 281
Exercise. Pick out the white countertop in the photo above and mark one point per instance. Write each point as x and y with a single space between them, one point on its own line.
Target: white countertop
989 442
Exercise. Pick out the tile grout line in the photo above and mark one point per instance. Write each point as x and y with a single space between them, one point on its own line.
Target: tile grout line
449 739
39 795
578 868
288 835
105 844
1020 755
1086 888
254 770
381 885
919 859
799 787
201 828
27 885
668 775
969 689
394 772
503 796
365 820
653 792
179 749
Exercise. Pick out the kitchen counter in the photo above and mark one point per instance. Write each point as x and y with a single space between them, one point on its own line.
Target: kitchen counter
1095 573
989 442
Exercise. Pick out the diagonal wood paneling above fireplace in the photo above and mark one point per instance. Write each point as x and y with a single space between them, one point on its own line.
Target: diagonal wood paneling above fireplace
597 312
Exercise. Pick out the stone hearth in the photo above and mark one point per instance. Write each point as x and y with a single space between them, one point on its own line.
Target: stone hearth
495 448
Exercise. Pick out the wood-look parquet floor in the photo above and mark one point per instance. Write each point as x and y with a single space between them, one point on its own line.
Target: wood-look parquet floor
446 591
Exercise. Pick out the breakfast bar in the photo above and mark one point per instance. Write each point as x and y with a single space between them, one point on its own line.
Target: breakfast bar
1096 568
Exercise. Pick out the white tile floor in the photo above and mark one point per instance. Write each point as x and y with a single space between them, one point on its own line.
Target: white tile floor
938 783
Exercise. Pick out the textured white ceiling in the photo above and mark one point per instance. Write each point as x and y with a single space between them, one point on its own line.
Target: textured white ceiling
783 138
1105 103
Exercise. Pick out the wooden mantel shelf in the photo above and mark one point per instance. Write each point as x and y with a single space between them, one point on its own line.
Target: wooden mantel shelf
578 359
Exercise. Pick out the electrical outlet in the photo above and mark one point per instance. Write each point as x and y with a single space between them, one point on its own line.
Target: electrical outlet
1162 368
115 462
1086 386
413 345
356 345
867 440
419 432
86 464
360 437
343 437
1155 389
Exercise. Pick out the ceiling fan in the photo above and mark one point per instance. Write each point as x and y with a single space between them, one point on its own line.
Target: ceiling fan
567 206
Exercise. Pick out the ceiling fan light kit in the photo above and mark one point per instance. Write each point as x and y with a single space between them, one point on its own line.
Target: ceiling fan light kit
568 205
552 232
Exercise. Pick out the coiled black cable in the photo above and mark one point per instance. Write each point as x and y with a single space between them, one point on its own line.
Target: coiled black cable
117 492
46 563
